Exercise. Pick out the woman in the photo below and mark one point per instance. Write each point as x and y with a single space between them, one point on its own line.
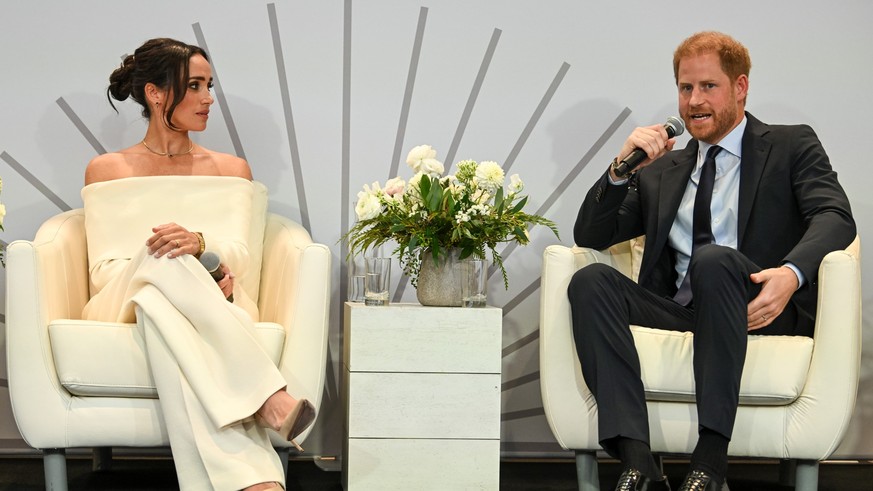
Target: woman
217 388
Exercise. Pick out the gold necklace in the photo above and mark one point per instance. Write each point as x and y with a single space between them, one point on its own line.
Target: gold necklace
167 154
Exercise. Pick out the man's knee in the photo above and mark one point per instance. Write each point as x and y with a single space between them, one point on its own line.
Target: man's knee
713 259
590 280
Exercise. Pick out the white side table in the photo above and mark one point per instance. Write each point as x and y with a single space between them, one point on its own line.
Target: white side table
422 394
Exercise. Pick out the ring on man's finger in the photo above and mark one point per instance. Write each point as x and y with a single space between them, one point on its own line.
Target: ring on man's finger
177 243
764 318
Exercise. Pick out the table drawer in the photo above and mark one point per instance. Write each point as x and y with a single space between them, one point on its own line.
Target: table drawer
423 405
413 338
439 465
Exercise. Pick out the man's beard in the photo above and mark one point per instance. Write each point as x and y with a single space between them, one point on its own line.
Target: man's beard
720 124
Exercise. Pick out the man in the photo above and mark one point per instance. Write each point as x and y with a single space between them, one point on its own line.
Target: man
751 242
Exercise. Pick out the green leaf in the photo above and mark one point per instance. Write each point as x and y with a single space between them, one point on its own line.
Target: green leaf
435 198
498 201
518 206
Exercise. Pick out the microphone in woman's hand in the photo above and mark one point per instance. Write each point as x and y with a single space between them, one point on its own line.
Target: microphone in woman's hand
212 263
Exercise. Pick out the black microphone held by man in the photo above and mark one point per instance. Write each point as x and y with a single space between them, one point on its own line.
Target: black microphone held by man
674 127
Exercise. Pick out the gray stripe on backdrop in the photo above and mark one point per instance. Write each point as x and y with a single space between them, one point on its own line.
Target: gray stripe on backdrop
535 117
407 94
574 172
516 382
346 143
521 343
289 118
401 126
471 100
3 316
4 382
524 413
219 94
77 122
528 291
42 188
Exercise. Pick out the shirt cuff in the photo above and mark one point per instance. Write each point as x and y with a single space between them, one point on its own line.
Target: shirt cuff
800 279
616 182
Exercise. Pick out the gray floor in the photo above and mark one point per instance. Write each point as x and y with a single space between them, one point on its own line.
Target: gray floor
26 473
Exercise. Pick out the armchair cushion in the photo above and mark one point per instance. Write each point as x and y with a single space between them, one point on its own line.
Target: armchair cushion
780 365
84 349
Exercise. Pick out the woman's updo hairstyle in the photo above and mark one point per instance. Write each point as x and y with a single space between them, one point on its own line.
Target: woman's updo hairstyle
161 61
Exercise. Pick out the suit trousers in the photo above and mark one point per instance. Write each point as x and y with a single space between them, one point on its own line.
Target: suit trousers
604 303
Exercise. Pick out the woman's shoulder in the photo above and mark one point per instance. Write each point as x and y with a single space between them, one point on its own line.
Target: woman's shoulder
108 166
230 165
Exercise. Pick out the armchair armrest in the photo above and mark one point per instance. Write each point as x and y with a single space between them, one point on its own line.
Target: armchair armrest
295 293
50 278
827 402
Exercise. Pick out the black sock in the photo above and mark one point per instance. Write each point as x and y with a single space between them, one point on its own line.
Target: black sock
710 454
636 454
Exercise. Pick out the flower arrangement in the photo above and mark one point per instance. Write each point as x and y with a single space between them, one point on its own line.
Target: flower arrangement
469 210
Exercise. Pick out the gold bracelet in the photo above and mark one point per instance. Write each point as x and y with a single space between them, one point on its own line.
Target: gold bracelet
202 244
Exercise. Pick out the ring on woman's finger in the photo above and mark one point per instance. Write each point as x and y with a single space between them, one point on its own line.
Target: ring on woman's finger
177 243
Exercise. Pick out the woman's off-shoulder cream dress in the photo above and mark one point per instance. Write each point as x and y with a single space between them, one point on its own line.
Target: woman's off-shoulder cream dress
209 371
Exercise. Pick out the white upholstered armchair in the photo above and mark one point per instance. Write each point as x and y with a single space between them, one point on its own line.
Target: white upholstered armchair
796 396
77 383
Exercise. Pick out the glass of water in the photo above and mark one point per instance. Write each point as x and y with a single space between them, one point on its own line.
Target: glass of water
357 274
474 283
376 281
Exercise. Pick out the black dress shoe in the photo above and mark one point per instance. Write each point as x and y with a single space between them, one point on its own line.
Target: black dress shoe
633 480
701 481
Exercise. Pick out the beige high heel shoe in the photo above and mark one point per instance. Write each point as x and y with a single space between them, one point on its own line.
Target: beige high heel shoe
300 418
296 422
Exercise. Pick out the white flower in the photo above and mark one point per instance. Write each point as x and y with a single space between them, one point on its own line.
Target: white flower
395 186
431 167
481 196
489 175
515 184
368 206
2 214
418 154
423 159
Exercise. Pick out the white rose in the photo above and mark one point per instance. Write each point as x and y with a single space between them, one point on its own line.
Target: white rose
431 167
368 206
418 154
489 175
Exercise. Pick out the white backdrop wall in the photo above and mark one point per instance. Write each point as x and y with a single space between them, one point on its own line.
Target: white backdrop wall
324 96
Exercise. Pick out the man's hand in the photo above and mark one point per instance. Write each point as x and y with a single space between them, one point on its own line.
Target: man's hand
777 286
651 139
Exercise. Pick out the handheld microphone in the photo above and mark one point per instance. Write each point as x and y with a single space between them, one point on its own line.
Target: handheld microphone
674 127
212 263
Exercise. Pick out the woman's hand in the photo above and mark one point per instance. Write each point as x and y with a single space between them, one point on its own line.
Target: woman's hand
226 283
173 240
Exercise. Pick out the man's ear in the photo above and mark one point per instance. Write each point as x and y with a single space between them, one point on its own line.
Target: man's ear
741 88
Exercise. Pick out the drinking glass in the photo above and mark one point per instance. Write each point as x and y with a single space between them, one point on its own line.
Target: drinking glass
376 281
473 283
